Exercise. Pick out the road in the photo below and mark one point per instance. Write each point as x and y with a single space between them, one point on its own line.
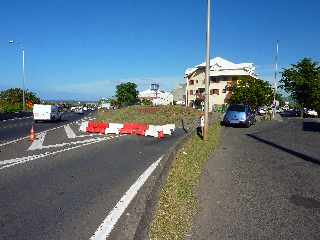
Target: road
262 183
63 185
18 128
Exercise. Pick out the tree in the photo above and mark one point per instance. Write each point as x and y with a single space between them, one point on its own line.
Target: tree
146 102
302 82
127 94
252 91
11 99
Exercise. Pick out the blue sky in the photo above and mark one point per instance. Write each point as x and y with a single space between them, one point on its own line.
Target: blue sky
80 49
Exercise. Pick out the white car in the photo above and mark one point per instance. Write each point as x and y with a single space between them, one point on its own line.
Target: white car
79 110
312 113
262 111
42 112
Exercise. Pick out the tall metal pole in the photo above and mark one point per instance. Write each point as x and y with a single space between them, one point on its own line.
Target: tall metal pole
23 83
207 76
275 79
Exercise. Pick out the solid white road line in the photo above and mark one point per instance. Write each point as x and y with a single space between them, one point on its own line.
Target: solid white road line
110 221
70 133
12 162
37 144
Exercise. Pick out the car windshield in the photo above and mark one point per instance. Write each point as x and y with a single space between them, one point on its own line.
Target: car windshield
237 108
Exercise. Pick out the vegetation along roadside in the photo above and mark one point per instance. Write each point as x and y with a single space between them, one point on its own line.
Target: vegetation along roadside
177 203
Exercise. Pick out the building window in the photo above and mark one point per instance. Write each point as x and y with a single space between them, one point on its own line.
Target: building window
214 79
191 92
214 91
191 82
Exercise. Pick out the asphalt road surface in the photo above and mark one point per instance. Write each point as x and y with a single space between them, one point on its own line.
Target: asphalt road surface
17 128
63 185
262 183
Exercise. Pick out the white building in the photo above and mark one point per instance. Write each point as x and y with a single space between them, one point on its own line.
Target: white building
157 96
223 74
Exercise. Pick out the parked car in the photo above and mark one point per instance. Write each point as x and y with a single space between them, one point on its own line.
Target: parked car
42 112
261 111
239 114
79 110
310 113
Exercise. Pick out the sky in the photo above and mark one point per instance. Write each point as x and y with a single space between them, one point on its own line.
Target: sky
79 49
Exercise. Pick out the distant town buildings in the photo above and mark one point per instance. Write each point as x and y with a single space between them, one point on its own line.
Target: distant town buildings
223 74
157 96
179 94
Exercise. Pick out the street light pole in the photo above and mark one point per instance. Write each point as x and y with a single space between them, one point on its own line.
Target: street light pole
23 74
23 83
275 80
207 75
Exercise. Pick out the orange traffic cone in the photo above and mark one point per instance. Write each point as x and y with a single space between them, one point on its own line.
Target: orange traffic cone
32 136
160 135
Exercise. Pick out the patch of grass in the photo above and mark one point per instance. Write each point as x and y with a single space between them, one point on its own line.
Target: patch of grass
151 115
177 203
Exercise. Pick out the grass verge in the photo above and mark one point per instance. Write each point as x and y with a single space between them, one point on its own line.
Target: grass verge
151 115
177 203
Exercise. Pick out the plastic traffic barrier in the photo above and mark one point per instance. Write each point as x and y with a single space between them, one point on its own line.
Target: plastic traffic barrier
134 128
168 129
153 130
96 127
113 128
83 127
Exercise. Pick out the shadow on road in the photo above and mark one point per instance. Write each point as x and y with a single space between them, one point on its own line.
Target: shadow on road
311 126
287 150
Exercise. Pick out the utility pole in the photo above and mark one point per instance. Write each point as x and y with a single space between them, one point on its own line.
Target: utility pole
275 80
207 76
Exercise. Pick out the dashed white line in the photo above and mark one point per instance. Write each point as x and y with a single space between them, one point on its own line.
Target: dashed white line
12 119
12 162
22 138
110 221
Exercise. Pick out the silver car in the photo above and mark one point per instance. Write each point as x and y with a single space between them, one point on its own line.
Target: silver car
239 114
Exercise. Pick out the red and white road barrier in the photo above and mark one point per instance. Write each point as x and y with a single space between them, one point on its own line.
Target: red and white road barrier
128 128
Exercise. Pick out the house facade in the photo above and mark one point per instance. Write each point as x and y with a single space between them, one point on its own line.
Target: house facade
179 94
223 74
157 96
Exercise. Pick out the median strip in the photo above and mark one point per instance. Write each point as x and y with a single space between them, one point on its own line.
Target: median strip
177 203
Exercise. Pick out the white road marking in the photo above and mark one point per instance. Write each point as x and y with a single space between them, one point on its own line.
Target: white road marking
37 144
12 119
110 221
22 138
12 162
70 143
70 133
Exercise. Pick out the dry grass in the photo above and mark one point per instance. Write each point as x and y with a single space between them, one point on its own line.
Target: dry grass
151 115
178 204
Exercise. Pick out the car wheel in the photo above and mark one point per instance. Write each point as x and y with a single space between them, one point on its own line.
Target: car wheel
248 124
